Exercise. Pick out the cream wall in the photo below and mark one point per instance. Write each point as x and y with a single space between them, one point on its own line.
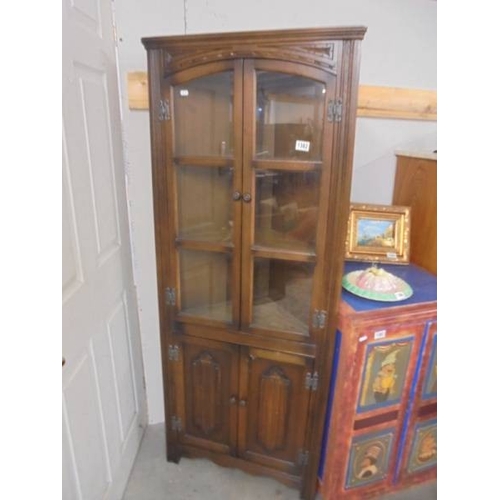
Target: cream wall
399 50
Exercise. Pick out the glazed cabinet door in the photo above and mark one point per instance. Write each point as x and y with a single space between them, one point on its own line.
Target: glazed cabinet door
249 160
287 162
203 185
273 408
204 376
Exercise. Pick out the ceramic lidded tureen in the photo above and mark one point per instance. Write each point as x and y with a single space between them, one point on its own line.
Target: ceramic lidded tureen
376 283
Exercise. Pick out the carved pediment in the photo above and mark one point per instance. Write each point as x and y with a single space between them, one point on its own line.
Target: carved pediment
319 55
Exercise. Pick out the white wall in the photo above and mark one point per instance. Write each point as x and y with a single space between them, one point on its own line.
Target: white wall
399 50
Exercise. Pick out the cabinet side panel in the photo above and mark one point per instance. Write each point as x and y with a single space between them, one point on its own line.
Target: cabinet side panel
331 394
340 186
415 185
155 70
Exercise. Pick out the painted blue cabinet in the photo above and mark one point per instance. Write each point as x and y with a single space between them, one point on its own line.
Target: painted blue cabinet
381 423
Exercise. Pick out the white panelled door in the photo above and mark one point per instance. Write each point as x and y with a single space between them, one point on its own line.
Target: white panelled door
103 399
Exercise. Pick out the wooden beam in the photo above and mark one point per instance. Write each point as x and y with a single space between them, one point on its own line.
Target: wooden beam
390 102
138 96
374 102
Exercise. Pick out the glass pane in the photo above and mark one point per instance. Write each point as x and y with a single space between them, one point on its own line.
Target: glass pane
282 295
206 284
203 111
286 209
289 116
204 203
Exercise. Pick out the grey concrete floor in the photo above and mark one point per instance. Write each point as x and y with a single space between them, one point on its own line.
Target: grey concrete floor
153 478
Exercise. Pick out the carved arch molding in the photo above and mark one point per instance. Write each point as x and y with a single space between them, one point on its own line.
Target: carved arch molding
319 55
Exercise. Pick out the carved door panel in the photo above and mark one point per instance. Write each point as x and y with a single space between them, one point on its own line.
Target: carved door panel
273 408
204 399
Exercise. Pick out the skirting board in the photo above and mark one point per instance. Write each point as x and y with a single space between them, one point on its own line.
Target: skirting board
373 101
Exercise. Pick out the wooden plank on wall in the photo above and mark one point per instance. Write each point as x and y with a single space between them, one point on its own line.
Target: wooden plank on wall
138 97
391 102
373 101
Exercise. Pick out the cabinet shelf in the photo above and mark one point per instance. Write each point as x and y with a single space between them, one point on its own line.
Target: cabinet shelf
204 161
292 166
209 242
283 253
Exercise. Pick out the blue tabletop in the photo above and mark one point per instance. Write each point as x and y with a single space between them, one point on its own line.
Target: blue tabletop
423 283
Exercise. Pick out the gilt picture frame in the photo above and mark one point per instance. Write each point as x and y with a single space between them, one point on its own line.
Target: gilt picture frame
378 233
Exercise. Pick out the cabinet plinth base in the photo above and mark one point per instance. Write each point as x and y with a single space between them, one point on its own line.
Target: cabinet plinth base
245 466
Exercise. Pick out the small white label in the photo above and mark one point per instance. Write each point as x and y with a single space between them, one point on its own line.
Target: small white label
363 338
184 92
380 334
302 146
391 255
399 295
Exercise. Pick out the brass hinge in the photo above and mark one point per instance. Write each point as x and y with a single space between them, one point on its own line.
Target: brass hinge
334 110
319 319
176 423
303 458
173 352
312 381
170 296
164 113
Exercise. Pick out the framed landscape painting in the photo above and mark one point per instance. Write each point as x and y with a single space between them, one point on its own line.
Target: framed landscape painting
378 233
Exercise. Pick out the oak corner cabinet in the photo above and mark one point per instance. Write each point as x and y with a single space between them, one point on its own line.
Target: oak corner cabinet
252 139
381 425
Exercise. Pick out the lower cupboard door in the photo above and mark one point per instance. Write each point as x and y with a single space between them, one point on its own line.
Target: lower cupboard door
273 408
420 455
206 388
